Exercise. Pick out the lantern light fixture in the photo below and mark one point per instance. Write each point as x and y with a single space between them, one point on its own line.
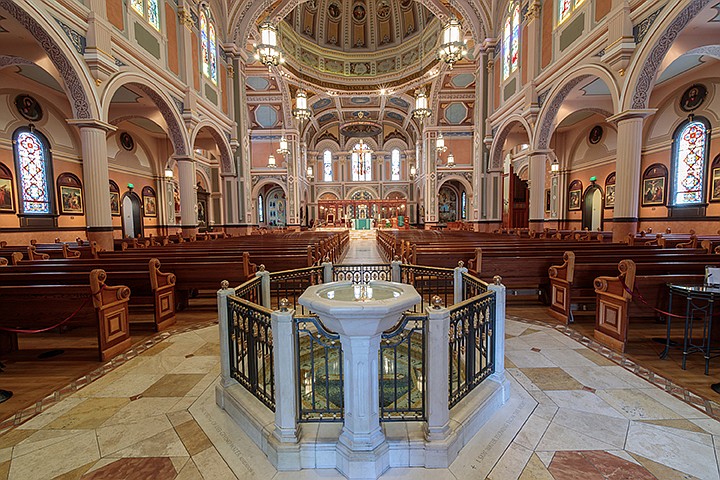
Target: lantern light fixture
421 111
267 51
453 47
440 143
271 162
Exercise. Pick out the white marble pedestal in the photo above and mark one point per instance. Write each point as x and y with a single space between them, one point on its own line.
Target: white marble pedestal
360 315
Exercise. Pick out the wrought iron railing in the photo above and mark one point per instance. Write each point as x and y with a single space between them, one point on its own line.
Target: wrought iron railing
362 273
429 281
250 291
291 284
320 371
251 348
402 370
472 323
472 286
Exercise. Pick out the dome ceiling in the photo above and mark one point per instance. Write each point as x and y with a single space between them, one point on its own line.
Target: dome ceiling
340 42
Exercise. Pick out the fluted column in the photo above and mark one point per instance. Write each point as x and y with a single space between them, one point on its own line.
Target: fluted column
537 190
93 139
429 160
188 194
627 168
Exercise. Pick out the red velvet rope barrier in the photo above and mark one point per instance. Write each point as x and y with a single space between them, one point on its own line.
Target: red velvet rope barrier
67 319
636 294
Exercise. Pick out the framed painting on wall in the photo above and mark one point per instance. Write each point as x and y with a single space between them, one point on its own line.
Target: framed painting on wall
6 195
71 201
114 199
548 200
609 196
574 199
149 202
653 191
715 188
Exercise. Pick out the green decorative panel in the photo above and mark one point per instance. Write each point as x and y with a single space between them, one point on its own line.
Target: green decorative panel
147 40
510 88
211 94
572 32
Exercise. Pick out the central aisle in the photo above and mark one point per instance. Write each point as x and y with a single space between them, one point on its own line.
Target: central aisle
363 248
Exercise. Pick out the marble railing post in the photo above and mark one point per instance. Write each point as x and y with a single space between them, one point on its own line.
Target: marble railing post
327 272
437 426
458 282
395 270
499 330
264 286
285 370
224 327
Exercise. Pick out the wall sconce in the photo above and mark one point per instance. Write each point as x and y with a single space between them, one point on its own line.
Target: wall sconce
309 173
168 173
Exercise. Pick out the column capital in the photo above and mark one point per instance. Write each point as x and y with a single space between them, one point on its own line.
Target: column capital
630 114
183 158
91 123
538 153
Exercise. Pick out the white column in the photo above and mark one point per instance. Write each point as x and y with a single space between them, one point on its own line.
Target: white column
188 193
627 168
437 347
537 190
93 139
285 377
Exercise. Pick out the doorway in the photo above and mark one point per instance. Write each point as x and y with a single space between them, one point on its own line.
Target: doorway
519 210
132 219
592 212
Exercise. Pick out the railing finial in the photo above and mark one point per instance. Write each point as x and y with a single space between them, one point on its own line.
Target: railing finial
284 302
224 284
497 279
261 267
436 302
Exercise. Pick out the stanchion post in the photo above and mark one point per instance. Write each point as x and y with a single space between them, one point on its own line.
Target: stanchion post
285 366
437 426
224 326
499 327
264 286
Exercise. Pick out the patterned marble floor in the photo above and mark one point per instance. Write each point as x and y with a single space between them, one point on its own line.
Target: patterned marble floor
363 248
573 414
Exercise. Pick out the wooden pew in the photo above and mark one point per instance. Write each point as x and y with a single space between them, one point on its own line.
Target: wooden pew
37 306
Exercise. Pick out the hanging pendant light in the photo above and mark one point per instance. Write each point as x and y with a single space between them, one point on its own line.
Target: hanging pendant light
451 160
440 143
421 110
271 162
309 174
413 172
301 110
267 51
453 47
283 150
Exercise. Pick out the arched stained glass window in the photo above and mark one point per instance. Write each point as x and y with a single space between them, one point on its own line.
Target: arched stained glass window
690 154
361 167
149 10
395 165
327 166
32 157
511 40
208 45
463 205
261 210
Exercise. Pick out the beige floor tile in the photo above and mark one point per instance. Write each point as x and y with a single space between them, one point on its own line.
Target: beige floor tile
511 464
91 413
596 358
141 409
56 459
212 466
193 437
535 470
551 379
173 385
117 437
163 444
13 437
75 474
189 472
636 405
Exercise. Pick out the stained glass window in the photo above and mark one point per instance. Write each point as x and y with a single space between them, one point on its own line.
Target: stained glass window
149 10
565 9
689 163
327 166
208 46
463 206
32 161
361 167
395 165
261 209
511 40
204 54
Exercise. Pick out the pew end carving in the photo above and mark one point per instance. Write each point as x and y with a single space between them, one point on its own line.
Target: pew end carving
163 288
33 254
613 301
111 309
67 253
561 279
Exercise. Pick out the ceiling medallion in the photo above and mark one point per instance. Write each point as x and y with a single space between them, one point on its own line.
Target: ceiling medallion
361 129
